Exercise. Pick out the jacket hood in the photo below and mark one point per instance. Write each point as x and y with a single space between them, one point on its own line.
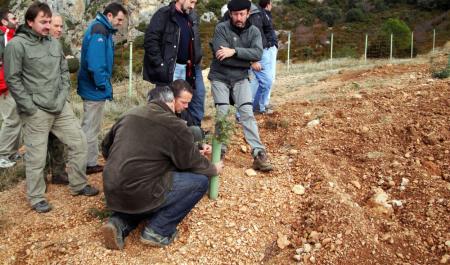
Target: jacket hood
254 9
104 20
29 34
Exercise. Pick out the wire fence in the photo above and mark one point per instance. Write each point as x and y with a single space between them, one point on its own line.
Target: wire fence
329 47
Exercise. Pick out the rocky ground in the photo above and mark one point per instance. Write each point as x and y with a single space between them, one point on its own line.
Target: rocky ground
362 176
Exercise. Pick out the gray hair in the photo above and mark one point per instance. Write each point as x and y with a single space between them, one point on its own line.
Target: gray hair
161 93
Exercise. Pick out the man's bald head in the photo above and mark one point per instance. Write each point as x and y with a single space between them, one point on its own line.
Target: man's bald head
56 28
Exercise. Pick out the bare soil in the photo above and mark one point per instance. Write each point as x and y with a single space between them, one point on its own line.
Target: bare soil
375 169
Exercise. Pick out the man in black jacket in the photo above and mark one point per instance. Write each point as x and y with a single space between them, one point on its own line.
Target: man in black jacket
153 171
173 51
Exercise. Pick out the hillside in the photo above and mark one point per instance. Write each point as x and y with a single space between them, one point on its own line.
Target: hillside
374 169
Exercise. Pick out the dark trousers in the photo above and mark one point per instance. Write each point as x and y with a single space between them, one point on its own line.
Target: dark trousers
187 190
56 154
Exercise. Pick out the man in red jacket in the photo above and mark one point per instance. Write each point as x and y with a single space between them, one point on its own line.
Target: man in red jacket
11 126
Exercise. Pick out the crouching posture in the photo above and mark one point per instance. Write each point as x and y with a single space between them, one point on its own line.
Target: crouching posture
153 172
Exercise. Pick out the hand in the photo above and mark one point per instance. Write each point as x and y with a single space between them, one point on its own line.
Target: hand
206 149
219 166
256 66
224 52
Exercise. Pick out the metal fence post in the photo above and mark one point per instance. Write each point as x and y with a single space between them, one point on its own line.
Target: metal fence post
390 52
331 49
412 44
130 73
434 38
289 50
365 49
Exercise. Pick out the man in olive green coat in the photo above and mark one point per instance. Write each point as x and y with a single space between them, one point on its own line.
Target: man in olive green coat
38 78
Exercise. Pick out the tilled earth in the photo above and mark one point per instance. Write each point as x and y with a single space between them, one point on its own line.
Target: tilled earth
362 176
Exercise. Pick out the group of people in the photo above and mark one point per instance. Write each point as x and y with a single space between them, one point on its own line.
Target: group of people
156 170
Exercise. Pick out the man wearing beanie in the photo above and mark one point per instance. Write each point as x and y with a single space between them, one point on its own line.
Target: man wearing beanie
236 43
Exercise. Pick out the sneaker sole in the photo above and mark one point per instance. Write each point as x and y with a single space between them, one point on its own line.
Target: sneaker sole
109 232
151 243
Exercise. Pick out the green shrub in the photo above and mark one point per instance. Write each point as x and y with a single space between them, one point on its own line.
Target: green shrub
142 26
355 15
330 15
74 65
346 52
401 32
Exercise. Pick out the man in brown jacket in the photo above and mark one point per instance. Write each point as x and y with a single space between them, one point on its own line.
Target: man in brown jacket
153 171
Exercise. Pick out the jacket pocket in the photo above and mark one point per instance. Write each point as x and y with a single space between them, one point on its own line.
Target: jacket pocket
158 191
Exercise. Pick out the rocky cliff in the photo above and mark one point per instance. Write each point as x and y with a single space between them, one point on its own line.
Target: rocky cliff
79 13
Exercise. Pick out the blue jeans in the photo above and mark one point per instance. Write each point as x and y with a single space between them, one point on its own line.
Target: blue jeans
197 105
187 189
273 69
262 82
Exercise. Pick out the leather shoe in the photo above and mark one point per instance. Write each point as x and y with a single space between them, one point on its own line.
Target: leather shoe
62 179
93 169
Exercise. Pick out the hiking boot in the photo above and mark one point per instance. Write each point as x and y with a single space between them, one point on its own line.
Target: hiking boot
113 233
150 237
42 207
62 179
94 169
6 163
261 162
88 190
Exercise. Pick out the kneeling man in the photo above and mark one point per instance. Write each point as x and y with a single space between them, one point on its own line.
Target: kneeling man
153 171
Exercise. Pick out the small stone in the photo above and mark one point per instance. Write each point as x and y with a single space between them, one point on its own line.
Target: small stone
400 255
312 259
293 152
365 129
299 251
397 203
314 236
338 242
243 149
326 241
313 123
250 172
307 248
445 259
447 243
356 184
297 257
407 155
282 241
391 183
28 252
298 189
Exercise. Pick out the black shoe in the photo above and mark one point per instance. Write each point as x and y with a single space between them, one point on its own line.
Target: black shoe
113 234
42 207
88 190
150 237
94 169
62 179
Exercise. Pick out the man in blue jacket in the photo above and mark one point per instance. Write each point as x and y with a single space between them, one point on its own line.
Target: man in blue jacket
94 78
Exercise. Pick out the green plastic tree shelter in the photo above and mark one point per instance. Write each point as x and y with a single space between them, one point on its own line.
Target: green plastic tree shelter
214 182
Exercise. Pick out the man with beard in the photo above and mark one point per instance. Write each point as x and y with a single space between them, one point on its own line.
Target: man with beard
11 125
173 51
236 43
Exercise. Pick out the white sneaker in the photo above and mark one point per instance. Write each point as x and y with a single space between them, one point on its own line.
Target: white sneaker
6 163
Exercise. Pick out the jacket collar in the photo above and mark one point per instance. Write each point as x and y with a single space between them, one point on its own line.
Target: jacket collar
104 20
161 104
26 32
